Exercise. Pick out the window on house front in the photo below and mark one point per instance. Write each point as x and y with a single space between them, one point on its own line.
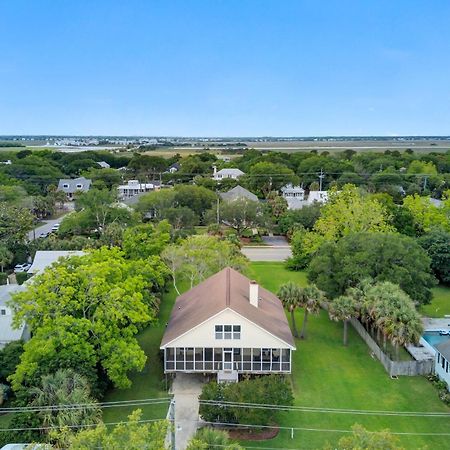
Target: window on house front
3 312
227 332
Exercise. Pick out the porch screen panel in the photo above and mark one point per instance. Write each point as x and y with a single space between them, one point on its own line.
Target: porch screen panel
170 358
247 359
208 358
256 359
179 358
189 358
199 359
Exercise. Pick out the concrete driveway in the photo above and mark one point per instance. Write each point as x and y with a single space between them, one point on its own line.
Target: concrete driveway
186 388
267 253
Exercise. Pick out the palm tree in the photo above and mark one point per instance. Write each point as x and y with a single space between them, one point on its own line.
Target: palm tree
343 309
312 296
62 388
291 296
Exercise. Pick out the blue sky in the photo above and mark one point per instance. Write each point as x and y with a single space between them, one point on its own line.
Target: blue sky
225 68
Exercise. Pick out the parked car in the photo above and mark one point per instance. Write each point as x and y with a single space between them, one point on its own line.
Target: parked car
55 227
21 267
43 235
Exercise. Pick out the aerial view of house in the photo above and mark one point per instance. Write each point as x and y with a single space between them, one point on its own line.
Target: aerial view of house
228 325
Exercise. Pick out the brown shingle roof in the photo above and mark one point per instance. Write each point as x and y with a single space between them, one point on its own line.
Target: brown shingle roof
226 289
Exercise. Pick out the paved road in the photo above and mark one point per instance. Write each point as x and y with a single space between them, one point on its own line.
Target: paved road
186 388
267 253
45 227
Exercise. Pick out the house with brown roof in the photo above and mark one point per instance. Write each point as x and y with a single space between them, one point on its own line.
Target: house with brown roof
228 325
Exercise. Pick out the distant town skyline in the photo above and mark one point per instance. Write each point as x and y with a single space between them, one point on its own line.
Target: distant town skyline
230 68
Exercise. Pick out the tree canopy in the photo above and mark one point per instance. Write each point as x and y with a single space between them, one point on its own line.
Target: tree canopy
378 256
84 313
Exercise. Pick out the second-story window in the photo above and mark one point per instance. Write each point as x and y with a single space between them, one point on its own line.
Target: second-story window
227 332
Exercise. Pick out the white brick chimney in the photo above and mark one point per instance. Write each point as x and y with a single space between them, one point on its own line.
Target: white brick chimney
254 293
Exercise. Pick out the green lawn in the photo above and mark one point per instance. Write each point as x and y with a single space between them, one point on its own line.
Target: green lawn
440 305
326 374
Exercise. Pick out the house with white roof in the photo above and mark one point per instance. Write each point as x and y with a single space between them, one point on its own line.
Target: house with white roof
72 186
103 165
45 258
7 332
135 187
230 326
294 196
317 196
222 174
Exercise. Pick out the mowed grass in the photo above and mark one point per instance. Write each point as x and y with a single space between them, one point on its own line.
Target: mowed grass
328 375
440 305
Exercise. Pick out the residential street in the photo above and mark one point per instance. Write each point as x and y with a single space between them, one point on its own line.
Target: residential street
44 227
267 253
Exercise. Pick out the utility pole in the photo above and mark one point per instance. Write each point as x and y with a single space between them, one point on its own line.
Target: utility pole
217 209
321 177
425 183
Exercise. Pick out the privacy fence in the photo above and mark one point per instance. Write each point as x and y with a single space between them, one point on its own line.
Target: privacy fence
393 368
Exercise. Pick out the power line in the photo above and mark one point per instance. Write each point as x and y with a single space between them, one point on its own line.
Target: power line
71 406
324 410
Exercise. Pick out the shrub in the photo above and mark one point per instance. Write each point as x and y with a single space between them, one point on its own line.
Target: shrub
21 277
3 278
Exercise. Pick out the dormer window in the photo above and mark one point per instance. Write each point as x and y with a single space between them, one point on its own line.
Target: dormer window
79 186
65 186
227 332
3 312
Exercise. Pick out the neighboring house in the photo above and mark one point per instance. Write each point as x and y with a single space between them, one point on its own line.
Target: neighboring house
175 167
134 187
7 162
317 196
103 165
238 192
45 258
72 186
228 325
227 173
442 362
7 332
294 196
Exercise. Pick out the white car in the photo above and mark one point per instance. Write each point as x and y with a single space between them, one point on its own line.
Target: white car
21 267
55 227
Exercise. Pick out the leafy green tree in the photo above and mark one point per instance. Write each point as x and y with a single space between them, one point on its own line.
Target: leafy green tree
64 387
9 359
210 439
198 257
347 211
197 198
305 217
84 313
142 241
291 296
343 308
422 167
6 257
95 210
426 215
181 217
242 214
377 256
264 177
361 439
14 195
15 222
130 435
153 203
437 244
278 204
103 178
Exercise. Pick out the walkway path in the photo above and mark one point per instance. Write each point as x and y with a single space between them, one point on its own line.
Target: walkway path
186 388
